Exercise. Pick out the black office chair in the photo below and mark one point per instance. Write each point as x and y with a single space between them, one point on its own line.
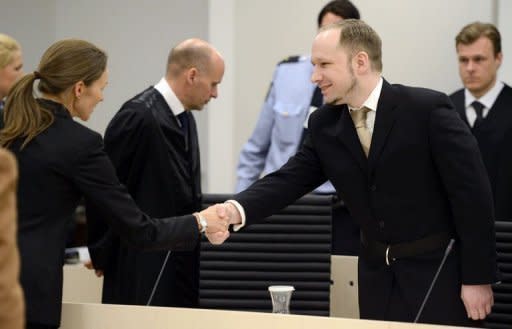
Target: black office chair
292 247
501 316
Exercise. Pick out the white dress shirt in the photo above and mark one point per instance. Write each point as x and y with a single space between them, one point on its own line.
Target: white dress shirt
371 103
487 101
170 98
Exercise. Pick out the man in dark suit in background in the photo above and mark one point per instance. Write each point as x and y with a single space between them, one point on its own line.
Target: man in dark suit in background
153 144
485 104
410 173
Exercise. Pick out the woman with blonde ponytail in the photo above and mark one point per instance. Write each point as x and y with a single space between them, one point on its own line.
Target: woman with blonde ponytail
61 161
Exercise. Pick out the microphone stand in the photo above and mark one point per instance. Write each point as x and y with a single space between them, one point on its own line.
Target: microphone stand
158 279
446 253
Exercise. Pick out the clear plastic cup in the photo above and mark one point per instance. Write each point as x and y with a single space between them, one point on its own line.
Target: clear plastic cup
281 296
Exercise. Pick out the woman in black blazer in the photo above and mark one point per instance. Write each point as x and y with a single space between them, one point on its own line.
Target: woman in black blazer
60 161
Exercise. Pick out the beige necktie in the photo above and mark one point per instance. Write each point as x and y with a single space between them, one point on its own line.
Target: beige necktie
359 118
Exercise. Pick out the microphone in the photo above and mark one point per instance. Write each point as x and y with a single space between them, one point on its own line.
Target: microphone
446 253
158 279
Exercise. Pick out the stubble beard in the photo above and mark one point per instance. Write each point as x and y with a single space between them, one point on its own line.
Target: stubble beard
343 98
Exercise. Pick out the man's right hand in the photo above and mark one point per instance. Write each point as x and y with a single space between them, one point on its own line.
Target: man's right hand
227 209
221 216
217 230
229 212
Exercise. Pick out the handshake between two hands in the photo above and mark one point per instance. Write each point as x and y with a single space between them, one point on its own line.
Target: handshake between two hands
219 217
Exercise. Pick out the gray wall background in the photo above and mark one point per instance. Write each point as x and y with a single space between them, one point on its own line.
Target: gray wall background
418 47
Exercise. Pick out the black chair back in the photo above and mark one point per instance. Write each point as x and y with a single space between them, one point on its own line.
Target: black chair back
501 316
292 247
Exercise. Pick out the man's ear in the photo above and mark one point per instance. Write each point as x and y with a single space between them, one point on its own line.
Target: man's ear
499 58
361 62
191 75
78 89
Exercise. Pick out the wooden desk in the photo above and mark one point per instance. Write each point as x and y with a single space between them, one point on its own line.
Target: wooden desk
98 316
81 285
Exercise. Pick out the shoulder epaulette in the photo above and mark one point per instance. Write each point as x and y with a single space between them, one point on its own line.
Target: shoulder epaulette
290 59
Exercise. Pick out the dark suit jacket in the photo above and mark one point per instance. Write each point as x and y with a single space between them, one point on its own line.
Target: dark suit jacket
424 175
57 168
503 194
148 150
494 145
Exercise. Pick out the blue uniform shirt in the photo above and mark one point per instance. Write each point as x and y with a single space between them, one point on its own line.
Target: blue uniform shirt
280 126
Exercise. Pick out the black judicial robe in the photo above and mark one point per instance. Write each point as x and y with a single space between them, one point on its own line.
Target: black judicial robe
162 173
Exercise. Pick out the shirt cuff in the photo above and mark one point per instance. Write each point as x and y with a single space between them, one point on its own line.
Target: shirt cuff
241 212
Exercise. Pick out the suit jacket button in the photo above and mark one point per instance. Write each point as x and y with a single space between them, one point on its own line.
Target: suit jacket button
373 188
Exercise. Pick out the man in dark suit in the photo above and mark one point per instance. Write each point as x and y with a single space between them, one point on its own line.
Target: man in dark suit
153 144
485 104
291 98
409 172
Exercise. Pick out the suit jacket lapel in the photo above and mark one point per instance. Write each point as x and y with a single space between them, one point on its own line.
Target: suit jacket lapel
347 134
384 120
459 102
193 141
169 119
498 113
